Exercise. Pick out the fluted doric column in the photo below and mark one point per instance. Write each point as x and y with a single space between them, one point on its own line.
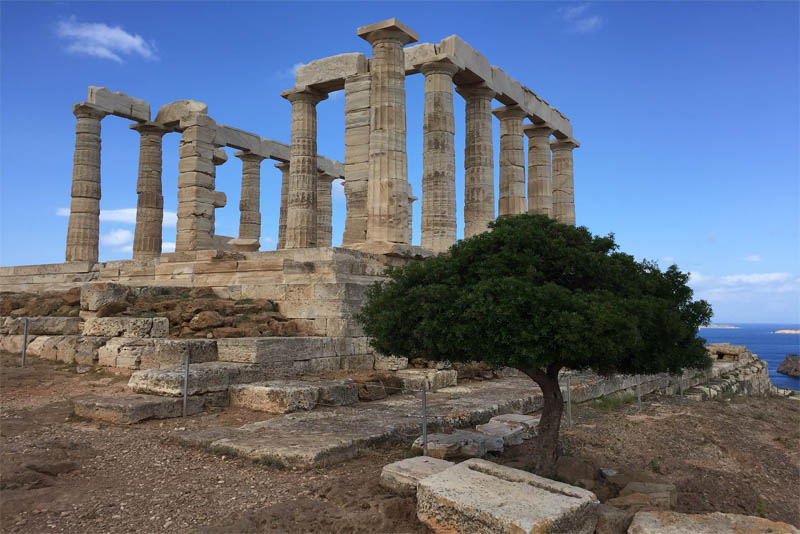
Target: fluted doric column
301 222
324 211
387 190
540 193
150 202
512 161
285 177
478 159
83 231
250 201
563 181
438 158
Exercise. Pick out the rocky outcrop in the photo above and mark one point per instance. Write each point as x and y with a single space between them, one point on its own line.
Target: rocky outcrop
790 366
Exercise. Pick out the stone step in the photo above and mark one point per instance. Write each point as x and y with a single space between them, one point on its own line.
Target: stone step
293 395
402 477
203 378
432 379
459 444
129 409
510 434
274 349
529 423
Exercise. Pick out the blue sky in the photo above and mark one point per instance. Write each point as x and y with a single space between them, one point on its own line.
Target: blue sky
687 113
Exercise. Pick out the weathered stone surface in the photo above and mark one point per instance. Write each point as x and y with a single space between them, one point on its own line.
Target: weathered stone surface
93 296
275 397
119 104
611 520
459 444
329 73
715 523
203 378
649 488
53 326
634 502
529 423
390 363
127 327
274 349
128 409
206 319
174 112
337 392
572 469
432 379
481 497
511 435
401 477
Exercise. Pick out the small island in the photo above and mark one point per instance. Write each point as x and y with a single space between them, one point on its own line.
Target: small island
721 326
787 332
790 366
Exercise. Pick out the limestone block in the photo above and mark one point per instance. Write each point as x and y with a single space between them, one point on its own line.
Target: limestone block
715 523
315 366
611 520
175 112
93 296
13 343
203 378
479 496
274 349
648 488
240 139
119 104
49 350
358 362
329 73
433 379
129 409
417 55
390 363
529 423
127 327
511 435
473 61
401 477
337 392
275 397
172 352
460 444
35 346
635 502
43 325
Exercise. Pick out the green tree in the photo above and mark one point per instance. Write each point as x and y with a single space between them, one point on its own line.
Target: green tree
539 296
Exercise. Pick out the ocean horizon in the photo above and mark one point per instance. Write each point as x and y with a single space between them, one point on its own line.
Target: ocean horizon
761 339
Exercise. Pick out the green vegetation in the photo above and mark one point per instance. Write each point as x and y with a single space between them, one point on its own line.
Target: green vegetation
654 466
244 301
611 403
540 296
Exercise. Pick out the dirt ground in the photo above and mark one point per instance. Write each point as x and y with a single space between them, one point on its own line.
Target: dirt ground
61 474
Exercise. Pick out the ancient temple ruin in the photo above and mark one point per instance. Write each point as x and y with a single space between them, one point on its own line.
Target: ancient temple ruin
375 169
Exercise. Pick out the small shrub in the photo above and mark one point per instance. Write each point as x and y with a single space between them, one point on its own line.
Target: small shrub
611 403
761 507
654 466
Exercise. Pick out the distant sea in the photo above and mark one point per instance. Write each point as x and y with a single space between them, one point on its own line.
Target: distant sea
761 340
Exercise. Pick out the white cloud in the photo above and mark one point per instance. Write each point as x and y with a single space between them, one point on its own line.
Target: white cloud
126 216
103 41
753 258
119 238
579 21
167 246
290 72
755 279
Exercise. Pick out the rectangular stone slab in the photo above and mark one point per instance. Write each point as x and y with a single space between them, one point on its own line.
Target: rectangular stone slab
129 409
715 523
482 497
401 477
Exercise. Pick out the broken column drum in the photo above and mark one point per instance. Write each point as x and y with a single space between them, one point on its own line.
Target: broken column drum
150 202
438 158
83 232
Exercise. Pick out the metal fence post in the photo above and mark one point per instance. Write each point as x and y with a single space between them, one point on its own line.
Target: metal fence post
24 339
639 392
424 421
569 402
186 383
681 386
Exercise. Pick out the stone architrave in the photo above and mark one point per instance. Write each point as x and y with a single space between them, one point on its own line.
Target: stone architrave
356 157
478 159
563 181
197 173
285 177
301 223
438 158
324 211
250 201
540 192
387 190
512 161
150 203
83 232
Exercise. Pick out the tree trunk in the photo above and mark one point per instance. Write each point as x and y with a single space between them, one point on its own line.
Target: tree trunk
547 432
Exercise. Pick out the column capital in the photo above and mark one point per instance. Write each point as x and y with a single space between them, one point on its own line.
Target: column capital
282 165
304 94
85 110
537 130
149 128
477 89
440 66
509 112
249 156
564 144
388 29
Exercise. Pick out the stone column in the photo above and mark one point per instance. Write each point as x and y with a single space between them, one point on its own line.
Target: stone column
563 181
356 157
301 224
150 203
324 211
478 159
540 193
438 158
285 177
197 173
83 231
512 161
250 201
387 190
